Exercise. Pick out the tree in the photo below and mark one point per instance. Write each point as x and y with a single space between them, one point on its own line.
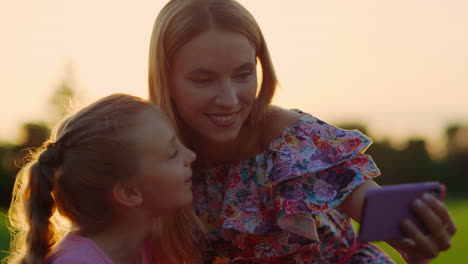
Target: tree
456 162
12 156
63 96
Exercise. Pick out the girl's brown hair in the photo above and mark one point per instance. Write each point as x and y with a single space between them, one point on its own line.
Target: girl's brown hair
70 177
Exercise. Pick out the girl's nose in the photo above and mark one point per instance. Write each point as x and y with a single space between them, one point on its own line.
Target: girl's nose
190 157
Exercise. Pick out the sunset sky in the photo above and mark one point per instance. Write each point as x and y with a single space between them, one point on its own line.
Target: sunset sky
400 67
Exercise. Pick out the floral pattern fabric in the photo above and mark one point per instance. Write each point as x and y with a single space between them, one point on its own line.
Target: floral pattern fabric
281 205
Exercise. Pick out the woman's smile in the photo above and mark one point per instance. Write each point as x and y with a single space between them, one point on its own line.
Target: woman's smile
215 109
223 120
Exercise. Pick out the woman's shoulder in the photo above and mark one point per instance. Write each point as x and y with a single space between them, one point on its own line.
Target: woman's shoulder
280 122
276 121
298 138
280 117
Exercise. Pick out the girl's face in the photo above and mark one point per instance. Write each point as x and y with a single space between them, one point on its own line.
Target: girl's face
165 172
213 84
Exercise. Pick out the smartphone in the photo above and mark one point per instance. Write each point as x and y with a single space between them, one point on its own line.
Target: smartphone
385 209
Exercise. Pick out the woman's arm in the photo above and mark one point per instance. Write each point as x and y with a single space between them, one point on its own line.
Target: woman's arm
421 248
352 205
418 247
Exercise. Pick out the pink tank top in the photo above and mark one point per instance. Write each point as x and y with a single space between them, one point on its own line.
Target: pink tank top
74 249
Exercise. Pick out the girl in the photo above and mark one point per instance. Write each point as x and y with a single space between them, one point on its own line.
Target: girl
271 185
110 170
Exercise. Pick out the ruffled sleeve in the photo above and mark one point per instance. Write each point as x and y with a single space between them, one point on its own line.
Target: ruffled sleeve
312 168
272 204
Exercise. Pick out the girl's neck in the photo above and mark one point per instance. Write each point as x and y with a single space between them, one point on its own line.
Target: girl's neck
121 243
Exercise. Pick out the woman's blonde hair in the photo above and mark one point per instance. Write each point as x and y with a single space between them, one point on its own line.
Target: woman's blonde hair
180 21
177 23
71 176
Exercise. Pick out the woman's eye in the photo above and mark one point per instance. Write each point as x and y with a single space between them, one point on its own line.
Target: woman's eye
244 75
201 80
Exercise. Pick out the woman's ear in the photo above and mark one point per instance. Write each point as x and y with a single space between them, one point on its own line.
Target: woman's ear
127 194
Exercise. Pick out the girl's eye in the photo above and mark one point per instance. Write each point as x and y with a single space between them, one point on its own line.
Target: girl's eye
174 154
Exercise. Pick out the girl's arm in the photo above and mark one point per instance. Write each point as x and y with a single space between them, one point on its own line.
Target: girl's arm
418 247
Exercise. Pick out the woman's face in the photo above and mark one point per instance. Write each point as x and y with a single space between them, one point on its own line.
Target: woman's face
213 84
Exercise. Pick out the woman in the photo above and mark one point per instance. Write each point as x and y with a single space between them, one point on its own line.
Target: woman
271 185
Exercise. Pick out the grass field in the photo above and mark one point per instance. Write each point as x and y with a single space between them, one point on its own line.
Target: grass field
4 234
457 254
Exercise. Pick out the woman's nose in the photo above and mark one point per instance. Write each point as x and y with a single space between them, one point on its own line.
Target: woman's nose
227 95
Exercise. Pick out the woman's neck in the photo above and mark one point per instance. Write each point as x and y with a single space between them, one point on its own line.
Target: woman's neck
212 154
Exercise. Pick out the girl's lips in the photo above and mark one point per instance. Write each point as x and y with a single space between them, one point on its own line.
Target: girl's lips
188 183
189 178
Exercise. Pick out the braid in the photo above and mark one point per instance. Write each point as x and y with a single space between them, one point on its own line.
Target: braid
40 204
80 157
52 156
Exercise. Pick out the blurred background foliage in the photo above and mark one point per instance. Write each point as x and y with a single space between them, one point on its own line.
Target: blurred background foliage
410 162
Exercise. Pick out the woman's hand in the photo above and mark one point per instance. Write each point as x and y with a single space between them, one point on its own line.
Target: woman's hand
418 247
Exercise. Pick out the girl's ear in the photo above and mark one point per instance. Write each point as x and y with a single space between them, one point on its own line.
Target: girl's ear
127 194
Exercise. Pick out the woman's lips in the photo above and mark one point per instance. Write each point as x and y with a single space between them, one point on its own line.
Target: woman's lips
223 119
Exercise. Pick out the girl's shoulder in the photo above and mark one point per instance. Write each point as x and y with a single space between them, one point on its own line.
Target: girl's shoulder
76 249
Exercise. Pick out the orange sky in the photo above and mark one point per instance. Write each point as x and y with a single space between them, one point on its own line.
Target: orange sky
399 66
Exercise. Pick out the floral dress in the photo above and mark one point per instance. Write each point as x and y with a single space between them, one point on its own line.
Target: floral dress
281 205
